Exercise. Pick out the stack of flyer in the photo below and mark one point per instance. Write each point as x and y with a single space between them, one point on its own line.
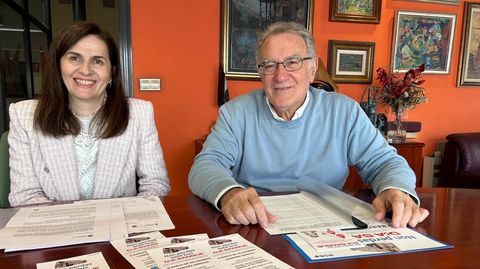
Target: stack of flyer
153 251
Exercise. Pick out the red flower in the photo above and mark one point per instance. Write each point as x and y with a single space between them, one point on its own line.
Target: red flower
402 93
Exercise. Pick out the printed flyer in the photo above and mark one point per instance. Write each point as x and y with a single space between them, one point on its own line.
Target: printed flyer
89 261
377 239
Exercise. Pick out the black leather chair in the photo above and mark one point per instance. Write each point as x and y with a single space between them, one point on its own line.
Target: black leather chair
461 161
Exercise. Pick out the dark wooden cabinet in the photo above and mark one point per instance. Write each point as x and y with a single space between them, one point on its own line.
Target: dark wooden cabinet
410 150
413 153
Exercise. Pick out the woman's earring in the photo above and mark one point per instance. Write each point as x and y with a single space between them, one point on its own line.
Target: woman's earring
109 84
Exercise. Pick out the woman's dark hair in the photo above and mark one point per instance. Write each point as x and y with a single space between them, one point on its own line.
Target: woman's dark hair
53 116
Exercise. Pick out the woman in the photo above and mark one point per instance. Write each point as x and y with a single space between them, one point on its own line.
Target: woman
83 139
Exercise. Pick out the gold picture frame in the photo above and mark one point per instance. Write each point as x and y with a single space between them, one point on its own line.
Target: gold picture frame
351 61
469 61
360 11
241 23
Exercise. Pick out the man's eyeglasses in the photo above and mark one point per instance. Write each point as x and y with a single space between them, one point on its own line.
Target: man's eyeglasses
269 67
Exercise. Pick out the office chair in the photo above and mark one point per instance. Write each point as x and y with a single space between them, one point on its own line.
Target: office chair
4 171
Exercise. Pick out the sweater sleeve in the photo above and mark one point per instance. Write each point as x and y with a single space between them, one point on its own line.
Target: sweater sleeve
377 162
210 175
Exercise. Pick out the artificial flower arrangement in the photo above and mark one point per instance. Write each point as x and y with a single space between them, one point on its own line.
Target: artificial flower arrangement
402 93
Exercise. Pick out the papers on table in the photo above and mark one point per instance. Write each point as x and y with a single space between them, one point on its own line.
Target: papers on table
134 249
89 261
378 239
334 225
153 251
295 212
146 215
230 251
51 226
305 211
141 214
83 222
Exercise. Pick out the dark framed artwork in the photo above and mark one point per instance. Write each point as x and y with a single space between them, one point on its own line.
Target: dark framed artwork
109 3
244 19
449 2
422 37
351 61
362 11
469 64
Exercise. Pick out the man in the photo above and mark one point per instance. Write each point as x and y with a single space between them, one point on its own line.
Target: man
290 135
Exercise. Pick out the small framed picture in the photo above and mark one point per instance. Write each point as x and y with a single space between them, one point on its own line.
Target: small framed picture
422 37
361 11
469 64
351 61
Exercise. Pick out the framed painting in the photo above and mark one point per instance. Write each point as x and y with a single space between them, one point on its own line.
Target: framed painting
244 19
449 2
422 37
351 61
362 11
469 64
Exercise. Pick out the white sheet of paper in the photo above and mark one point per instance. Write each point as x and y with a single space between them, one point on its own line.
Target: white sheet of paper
145 214
89 261
140 215
118 227
298 212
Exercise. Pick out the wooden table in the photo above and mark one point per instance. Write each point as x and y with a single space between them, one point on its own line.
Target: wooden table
453 219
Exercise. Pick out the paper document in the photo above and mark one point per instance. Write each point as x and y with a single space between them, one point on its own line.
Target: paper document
118 228
378 239
89 261
304 211
59 225
145 215
134 248
83 222
238 252
230 251
139 214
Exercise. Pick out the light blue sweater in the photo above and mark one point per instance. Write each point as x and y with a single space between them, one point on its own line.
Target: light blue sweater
248 147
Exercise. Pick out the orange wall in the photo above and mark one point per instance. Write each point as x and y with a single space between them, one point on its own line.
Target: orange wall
179 42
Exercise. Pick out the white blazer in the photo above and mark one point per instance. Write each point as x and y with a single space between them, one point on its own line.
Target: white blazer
43 168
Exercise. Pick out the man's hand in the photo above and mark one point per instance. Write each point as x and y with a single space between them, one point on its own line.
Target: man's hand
404 209
243 206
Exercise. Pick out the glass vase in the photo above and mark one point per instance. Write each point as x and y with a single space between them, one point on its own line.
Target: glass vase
397 134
